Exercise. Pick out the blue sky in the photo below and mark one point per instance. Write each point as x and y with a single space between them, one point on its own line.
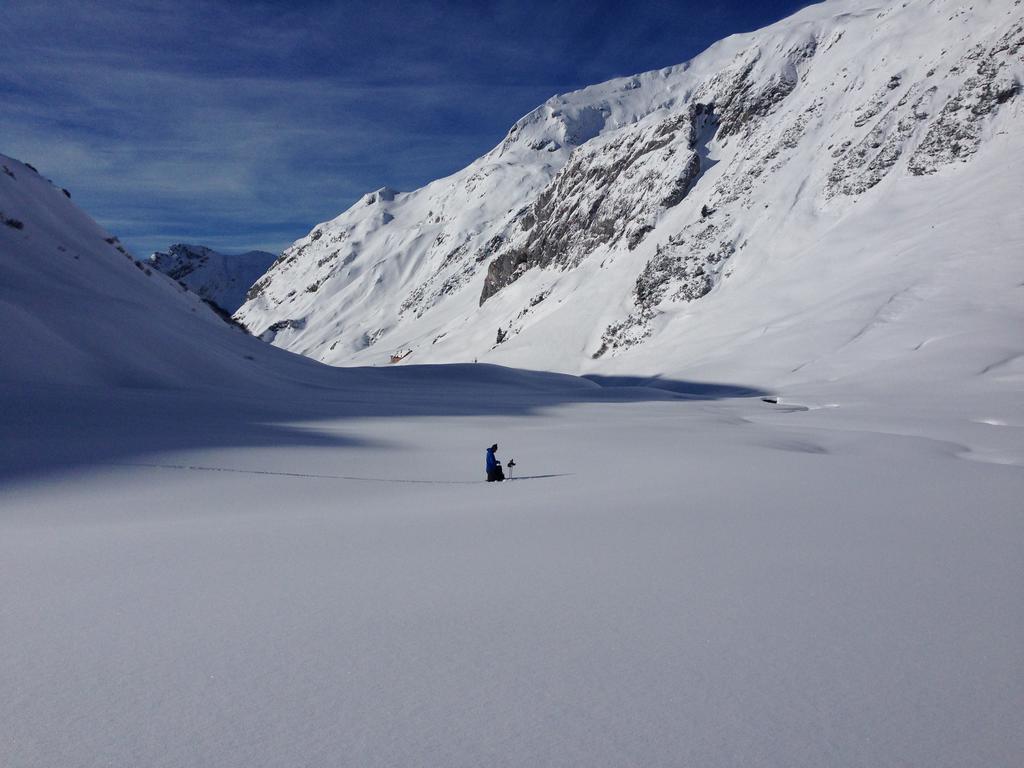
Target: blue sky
242 124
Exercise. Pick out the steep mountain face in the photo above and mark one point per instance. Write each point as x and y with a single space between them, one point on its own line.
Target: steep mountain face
220 278
782 186
77 308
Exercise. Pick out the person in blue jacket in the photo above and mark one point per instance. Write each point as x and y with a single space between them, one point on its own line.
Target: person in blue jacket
494 470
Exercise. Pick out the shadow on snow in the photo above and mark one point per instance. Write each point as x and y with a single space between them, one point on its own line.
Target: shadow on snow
47 429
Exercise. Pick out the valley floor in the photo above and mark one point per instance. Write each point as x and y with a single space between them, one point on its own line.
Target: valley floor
706 581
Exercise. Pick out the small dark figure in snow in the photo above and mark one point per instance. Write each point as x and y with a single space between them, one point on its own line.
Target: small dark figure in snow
494 470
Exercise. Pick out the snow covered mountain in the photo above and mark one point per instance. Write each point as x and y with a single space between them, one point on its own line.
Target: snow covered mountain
78 311
76 307
792 204
221 278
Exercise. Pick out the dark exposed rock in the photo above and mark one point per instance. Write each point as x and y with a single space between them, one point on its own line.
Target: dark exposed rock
224 315
490 248
741 103
504 270
281 325
445 282
681 271
956 133
454 255
653 280
873 107
538 298
370 338
682 183
599 196
1007 92
328 258
602 195
637 235
261 285
384 194
180 261
866 163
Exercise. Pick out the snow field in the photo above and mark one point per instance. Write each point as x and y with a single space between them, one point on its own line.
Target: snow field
716 582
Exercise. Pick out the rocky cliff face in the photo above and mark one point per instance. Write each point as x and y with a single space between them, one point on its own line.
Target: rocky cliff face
602 196
607 214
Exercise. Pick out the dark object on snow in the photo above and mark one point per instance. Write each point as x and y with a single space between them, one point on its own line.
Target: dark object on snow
772 400
223 314
511 466
501 336
494 470
705 211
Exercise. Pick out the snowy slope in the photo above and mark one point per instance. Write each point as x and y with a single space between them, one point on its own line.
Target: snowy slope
709 583
75 307
221 278
784 184
215 552
77 310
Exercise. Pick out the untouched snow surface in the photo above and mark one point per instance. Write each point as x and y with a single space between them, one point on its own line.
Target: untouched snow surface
704 581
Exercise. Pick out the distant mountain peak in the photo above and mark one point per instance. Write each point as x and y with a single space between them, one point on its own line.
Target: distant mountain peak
220 278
